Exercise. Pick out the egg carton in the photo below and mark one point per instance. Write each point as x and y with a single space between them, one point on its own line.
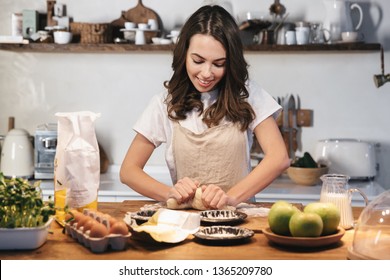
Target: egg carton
116 242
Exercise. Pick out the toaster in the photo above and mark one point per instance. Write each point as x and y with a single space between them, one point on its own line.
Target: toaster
351 157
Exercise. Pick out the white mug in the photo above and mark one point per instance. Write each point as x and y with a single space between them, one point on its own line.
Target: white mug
130 25
143 26
153 24
290 37
351 36
302 35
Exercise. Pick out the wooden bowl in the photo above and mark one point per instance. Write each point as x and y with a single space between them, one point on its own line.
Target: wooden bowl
306 176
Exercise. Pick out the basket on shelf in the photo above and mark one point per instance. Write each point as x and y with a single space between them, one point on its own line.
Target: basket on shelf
92 33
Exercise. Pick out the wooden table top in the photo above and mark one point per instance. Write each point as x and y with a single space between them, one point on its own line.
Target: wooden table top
60 246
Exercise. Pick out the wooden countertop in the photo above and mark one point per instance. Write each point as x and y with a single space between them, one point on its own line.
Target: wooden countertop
61 246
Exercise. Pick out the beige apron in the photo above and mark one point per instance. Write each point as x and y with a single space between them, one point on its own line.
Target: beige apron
215 156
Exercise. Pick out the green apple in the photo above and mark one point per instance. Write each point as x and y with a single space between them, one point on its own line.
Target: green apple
329 214
279 217
306 225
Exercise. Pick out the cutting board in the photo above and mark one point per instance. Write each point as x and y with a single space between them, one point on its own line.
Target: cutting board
138 14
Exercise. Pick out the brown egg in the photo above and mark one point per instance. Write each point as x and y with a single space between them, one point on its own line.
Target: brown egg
119 227
111 220
72 216
82 220
98 230
89 224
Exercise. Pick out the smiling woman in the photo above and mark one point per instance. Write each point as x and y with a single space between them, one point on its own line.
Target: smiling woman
205 68
207 118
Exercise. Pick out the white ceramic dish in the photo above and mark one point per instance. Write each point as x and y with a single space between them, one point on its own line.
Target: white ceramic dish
24 238
226 217
62 37
308 242
223 235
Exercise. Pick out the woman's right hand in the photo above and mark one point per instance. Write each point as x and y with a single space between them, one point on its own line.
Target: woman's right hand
184 190
213 197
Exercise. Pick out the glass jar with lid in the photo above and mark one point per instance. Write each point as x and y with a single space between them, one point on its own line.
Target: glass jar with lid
371 239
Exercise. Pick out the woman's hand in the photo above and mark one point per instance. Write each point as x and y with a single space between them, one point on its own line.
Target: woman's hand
184 190
213 197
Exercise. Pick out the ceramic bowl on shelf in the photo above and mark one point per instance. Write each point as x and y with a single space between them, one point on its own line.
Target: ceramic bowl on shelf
62 37
306 176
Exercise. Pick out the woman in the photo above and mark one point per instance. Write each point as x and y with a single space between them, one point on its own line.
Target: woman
207 118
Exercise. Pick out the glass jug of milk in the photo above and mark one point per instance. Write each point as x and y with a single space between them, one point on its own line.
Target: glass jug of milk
335 189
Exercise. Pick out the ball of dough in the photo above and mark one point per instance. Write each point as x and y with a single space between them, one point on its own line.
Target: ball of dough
195 203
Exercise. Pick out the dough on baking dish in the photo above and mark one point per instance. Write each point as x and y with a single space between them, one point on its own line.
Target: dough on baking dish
195 203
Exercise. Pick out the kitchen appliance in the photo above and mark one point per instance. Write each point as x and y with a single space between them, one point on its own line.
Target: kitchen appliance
17 154
45 150
351 157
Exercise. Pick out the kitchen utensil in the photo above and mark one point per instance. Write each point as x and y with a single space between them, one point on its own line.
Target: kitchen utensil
267 37
351 157
338 18
335 189
290 130
17 155
281 23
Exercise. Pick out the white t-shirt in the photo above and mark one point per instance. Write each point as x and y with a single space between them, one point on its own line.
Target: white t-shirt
155 125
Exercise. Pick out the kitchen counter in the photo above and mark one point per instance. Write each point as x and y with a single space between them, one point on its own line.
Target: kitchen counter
62 246
112 190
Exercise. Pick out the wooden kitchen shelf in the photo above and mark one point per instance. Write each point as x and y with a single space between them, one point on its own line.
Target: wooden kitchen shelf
122 48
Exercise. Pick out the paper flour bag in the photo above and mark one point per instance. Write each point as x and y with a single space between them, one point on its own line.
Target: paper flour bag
77 163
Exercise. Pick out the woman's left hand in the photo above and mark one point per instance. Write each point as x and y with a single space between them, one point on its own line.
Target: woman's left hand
213 197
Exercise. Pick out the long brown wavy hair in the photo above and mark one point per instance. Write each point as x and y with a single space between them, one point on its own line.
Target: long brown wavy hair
231 102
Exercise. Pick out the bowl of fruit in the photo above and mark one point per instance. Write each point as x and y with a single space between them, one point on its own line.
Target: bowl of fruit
316 225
